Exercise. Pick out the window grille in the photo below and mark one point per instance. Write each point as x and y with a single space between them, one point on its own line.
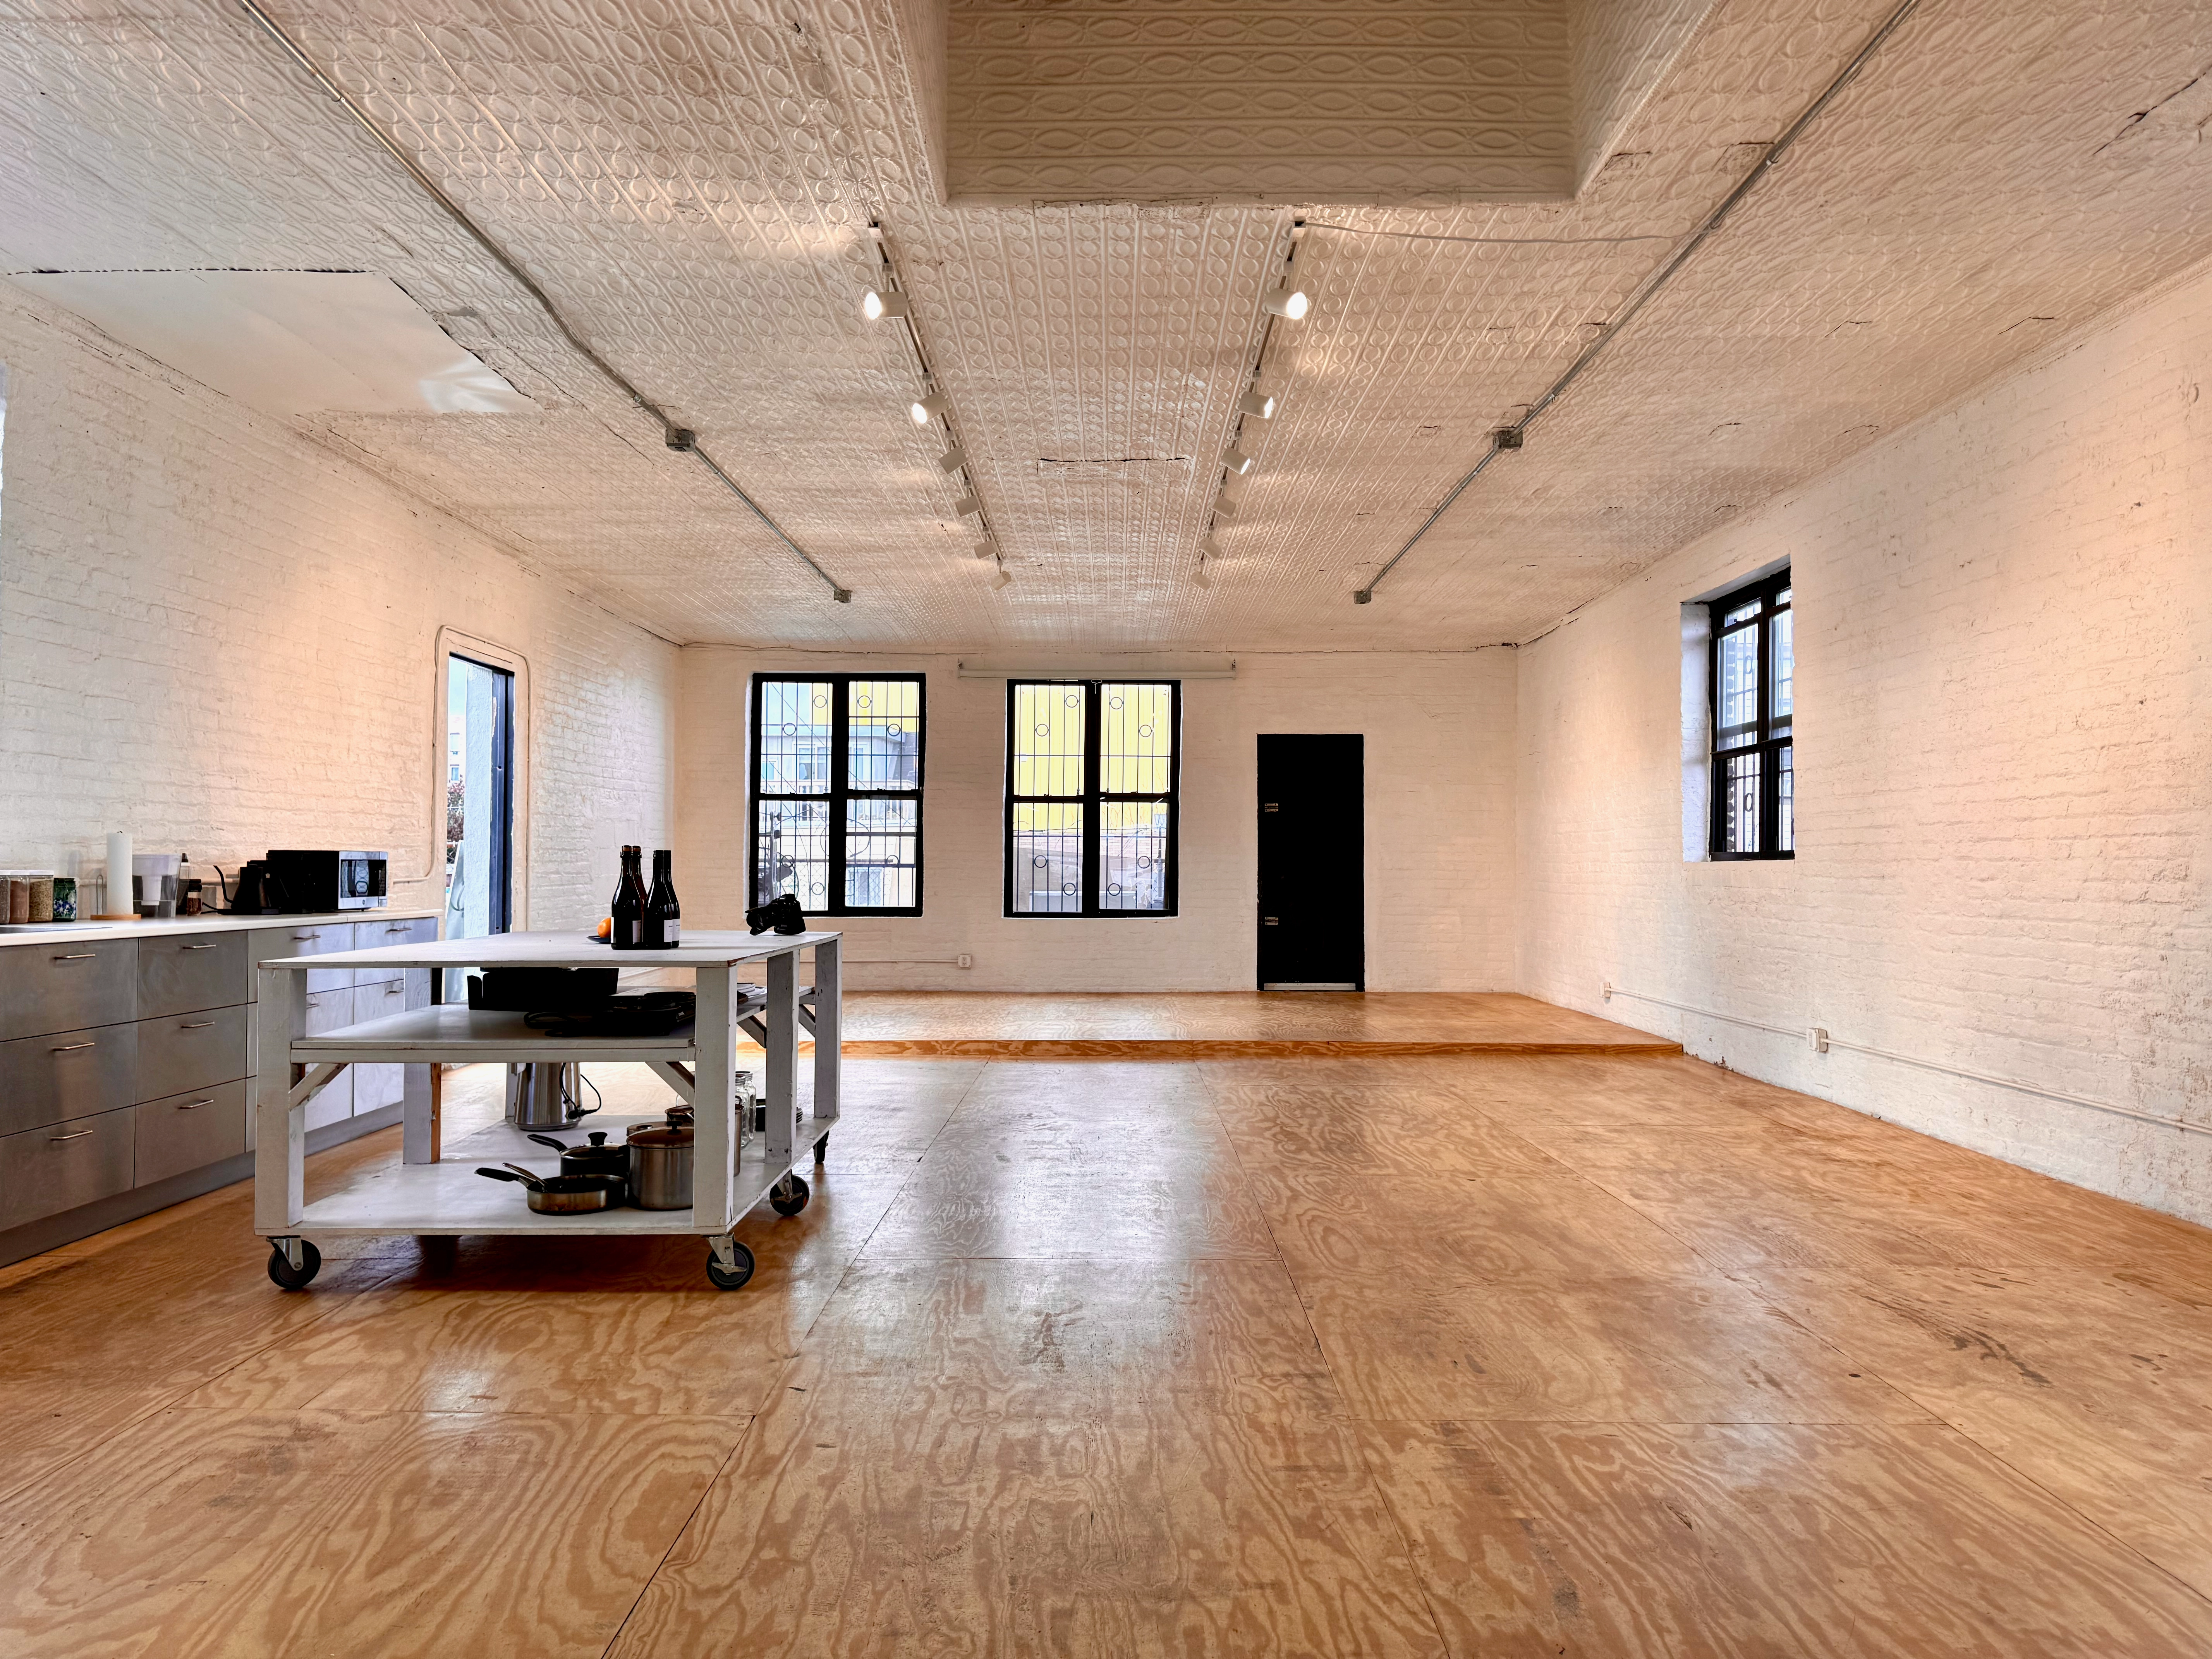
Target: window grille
1092 779
836 792
1753 699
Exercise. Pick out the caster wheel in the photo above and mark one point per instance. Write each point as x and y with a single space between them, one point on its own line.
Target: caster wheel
288 1278
740 1273
821 1151
789 1195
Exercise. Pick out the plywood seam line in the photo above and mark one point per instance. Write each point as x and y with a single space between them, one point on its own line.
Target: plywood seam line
1511 437
680 439
1224 505
1819 1035
956 457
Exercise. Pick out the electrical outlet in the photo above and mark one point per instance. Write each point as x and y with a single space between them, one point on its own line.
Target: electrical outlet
1818 1036
967 961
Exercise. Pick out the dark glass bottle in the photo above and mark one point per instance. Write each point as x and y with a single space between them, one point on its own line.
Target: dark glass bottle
664 928
629 903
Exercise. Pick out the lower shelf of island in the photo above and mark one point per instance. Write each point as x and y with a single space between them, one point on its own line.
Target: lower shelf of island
450 1199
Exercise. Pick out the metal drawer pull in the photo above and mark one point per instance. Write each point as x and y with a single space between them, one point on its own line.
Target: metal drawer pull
197 1104
197 947
81 955
196 1025
396 987
306 936
401 928
71 1048
79 1135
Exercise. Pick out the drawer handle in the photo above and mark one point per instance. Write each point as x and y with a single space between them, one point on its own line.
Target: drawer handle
196 947
79 1135
306 936
70 1048
194 1106
396 987
81 955
196 1025
400 927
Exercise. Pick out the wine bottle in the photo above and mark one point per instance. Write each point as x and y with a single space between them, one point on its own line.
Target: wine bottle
629 903
664 928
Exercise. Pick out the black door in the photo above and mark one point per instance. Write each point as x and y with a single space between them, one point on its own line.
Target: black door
1313 927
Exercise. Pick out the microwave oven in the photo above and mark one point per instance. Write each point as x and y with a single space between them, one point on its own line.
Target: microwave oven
316 882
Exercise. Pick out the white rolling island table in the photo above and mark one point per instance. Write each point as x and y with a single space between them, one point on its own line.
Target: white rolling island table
434 1191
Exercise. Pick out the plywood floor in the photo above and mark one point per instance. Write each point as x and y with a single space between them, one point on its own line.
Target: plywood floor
1568 1355
1223 1025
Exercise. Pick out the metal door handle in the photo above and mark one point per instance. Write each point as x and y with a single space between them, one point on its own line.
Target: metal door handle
71 1048
196 1025
79 1135
196 947
194 1107
1268 921
81 955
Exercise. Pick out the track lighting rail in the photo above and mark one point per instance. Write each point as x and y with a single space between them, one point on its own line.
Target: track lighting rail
1286 302
677 438
1510 437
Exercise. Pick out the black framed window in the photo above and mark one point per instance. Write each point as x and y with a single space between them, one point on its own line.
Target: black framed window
836 799
1753 699
1091 773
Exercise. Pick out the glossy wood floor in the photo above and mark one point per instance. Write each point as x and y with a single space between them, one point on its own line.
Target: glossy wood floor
1619 1356
1223 1025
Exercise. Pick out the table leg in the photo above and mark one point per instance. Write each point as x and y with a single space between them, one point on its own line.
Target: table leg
782 1097
280 1129
713 1101
829 1010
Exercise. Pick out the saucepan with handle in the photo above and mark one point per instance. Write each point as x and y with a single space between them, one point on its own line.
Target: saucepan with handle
563 1194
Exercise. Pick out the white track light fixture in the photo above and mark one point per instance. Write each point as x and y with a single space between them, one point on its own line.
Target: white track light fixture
969 508
1208 548
1286 302
1259 403
1201 579
1237 461
952 459
1289 302
878 303
1004 578
1225 506
986 549
927 408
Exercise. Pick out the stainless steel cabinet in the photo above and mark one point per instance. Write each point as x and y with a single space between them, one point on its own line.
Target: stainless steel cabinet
65 1074
331 1011
183 975
52 983
188 1131
190 1051
305 939
46 1170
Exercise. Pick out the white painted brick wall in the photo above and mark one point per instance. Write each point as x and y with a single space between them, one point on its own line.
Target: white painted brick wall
221 637
1439 823
2004 765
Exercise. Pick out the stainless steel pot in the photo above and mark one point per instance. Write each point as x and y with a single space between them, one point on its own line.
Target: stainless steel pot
564 1195
660 1163
597 1159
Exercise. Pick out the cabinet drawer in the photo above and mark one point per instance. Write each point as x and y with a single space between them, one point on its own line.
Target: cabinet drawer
316 939
190 1051
327 1011
186 1131
44 1171
64 1074
54 984
181 975
374 935
374 1001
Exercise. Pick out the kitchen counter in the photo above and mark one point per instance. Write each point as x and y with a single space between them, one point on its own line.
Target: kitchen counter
38 933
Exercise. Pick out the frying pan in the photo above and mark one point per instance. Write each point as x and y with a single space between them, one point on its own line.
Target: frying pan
565 1195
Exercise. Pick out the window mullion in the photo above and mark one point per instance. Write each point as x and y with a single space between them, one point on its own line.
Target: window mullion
1092 816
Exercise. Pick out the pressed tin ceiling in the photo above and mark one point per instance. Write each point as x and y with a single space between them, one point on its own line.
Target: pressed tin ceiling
692 184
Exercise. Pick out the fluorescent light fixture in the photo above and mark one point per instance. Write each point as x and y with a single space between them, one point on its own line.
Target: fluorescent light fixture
1287 302
952 459
968 507
927 408
1259 403
1004 578
876 305
1235 460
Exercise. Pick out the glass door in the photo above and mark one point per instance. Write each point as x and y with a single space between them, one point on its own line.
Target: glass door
479 806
